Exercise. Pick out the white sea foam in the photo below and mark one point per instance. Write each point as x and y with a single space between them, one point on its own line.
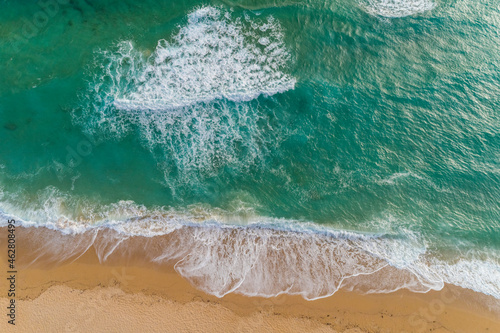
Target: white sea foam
256 256
397 8
190 99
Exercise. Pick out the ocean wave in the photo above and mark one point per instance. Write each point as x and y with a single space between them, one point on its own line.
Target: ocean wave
213 57
222 251
194 100
397 8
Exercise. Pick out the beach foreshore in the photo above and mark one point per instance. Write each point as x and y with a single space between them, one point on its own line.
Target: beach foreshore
84 295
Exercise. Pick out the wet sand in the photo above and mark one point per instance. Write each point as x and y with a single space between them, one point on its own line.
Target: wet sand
81 294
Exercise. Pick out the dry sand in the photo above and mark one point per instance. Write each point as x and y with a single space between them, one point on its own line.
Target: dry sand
87 296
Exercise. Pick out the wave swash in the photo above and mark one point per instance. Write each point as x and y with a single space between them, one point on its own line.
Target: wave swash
239 251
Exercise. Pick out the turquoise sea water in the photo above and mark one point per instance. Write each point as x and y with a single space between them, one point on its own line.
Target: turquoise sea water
367 131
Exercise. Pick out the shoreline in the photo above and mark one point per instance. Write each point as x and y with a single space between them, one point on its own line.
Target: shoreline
126 295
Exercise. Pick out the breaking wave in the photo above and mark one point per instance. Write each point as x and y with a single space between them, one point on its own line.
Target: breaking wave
222 251
213 57
195 99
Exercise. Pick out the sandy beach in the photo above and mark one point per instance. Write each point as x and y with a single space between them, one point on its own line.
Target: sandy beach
84 295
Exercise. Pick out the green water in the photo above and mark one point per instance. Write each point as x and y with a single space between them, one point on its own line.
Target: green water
390 125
